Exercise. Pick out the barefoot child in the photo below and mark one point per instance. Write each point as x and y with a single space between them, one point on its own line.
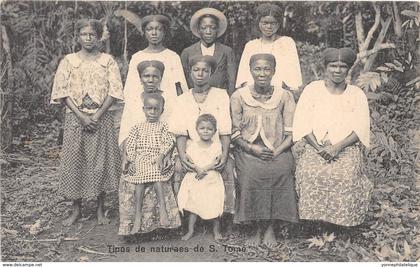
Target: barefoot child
202 192
147 145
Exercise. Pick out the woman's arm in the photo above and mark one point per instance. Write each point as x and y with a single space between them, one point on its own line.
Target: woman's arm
84 119
225 140
105 106
284 146
332 152
311 139
181 144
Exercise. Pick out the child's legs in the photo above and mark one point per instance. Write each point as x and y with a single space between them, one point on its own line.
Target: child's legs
216 228
139 195
191 223
164 220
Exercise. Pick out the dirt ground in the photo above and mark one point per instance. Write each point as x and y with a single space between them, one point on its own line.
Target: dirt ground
31 230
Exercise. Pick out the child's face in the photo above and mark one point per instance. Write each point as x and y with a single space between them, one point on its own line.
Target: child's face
152 108
151 78
205 130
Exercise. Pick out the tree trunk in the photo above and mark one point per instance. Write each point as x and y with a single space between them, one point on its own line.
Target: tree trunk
379 41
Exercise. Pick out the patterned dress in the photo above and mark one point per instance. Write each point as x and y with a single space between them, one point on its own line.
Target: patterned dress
333 191
145 143
90 161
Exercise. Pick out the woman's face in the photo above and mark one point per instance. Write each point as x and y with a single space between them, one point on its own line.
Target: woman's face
205 130
268 25
336 71
200 73
154 32
208 30
262 71
151 78
88 38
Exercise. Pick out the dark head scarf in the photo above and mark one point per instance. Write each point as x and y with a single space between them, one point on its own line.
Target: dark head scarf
164 20
268 57
150 63
267 9
210 60
345 55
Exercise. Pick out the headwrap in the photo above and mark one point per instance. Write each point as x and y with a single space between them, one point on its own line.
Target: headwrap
159 18
210 60
150 63
268 57
345 55
221 19
269 10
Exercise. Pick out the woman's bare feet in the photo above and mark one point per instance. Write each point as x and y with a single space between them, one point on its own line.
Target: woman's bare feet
187 236
102 219
254 240
269 237
75 214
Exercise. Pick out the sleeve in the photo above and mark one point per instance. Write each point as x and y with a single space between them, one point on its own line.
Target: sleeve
114 77
177 123
167 141
185 66
244 74
236 111
225 125
60 88
361 119
288 111
132 143
291 65
231 69
178 73
302 121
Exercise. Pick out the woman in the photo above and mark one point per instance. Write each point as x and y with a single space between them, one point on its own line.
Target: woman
262 116
208 24
155 28
150 73
283 48
87 82
201 99
333 118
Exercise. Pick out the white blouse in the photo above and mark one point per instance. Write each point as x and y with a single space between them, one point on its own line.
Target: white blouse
332 117
133 109
287 62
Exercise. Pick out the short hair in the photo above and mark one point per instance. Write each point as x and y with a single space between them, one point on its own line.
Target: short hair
94 23
216 19
156 96
207 118
268 9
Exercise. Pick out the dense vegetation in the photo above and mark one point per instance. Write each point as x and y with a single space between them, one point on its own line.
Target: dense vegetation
35 35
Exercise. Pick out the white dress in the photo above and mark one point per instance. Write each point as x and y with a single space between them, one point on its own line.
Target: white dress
133 108
287 62
203 197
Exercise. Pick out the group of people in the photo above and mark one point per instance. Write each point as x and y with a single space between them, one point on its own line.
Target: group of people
203 137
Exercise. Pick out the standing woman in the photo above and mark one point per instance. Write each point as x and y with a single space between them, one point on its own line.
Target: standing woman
87 82
155 28
333 118
262 116
283 49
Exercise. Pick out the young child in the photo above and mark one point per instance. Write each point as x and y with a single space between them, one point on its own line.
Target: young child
147 145
202 192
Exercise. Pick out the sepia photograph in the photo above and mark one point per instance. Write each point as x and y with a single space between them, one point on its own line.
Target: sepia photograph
209 131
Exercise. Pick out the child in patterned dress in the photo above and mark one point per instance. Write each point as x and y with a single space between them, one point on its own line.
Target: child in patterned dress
147 145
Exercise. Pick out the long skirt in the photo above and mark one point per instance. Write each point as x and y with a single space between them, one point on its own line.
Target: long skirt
337 191
150 210
266 188
90 161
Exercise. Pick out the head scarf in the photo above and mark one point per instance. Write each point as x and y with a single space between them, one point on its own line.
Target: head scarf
151 63
268 57
345 55
210 60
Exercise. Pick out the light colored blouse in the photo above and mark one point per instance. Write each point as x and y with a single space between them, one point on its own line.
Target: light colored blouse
77 77
133 109
332 117
287 62
254 116
184 116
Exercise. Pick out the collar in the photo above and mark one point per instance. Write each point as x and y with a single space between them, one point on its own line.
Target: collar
271 103
75 59
209 51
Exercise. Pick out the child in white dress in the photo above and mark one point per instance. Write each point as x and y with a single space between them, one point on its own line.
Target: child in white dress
147 145
202 192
